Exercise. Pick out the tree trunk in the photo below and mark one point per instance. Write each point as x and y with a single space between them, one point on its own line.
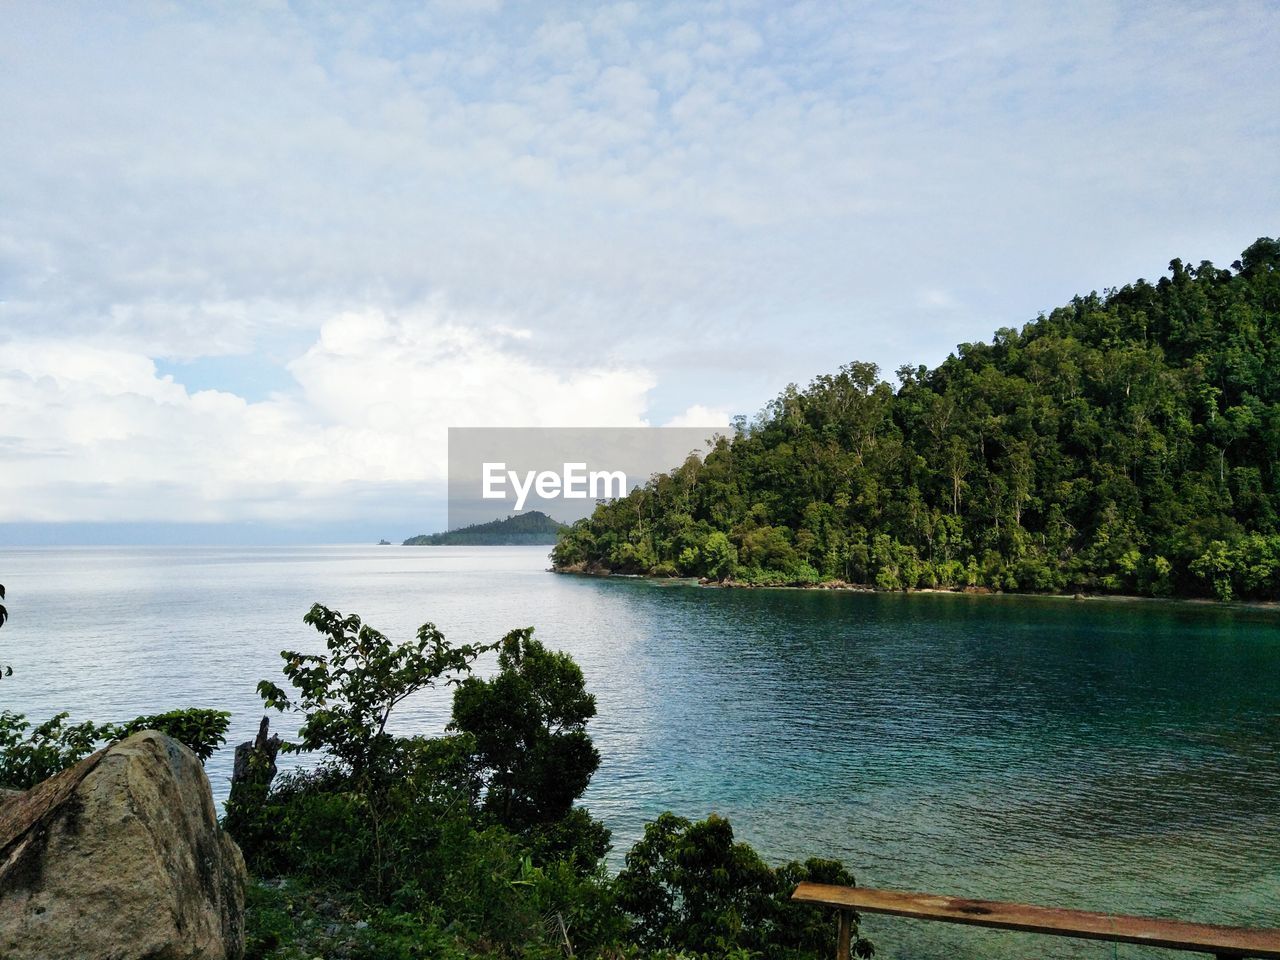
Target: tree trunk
256 759
251 776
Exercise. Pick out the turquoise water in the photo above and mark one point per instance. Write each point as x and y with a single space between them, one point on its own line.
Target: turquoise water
1100 755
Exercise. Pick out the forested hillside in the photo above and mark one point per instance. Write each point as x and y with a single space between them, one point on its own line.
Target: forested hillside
1124 443
521 529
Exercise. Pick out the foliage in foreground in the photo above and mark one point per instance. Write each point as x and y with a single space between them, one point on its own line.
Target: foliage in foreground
691 886
347 694
32 753
1126 443
468 844
471 843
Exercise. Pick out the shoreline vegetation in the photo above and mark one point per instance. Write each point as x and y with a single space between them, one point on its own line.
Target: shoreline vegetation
838 586
1124 444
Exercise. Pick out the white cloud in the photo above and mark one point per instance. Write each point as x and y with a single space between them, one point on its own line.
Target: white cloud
700 416
562 43
375 396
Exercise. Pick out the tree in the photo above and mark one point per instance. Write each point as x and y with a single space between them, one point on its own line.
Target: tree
1216 567
347 695
692 887
529 727
720 555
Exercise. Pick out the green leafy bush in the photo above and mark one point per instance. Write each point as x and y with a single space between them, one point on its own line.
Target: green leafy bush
289 921
529 727
204 731
30 754
691 886
27 758
346 696
450 823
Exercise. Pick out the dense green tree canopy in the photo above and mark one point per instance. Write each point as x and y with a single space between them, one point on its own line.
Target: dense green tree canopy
1127 443
693 886
529 726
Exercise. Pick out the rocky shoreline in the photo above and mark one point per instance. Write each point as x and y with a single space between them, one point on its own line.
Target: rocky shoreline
583 570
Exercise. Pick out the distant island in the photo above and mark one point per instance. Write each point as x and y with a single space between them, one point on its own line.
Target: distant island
1127 443
521 529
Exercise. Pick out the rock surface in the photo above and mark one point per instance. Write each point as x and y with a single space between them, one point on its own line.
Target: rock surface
121 857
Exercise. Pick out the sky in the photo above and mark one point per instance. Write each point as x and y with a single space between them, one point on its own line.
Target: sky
255 259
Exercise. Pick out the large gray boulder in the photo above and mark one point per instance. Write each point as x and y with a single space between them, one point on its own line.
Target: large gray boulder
121 857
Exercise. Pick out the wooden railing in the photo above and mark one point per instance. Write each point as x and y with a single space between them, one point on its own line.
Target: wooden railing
1170 934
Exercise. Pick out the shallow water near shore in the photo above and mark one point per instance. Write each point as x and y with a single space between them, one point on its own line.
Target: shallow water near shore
1109 756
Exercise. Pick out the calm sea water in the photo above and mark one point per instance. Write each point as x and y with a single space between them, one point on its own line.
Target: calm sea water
1091 754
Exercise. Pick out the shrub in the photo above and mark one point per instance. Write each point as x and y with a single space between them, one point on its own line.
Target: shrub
204 731
692 887
347 695
50 747
529 726
54 745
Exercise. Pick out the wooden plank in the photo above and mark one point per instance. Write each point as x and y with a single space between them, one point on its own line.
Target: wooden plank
1171 934
844 936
